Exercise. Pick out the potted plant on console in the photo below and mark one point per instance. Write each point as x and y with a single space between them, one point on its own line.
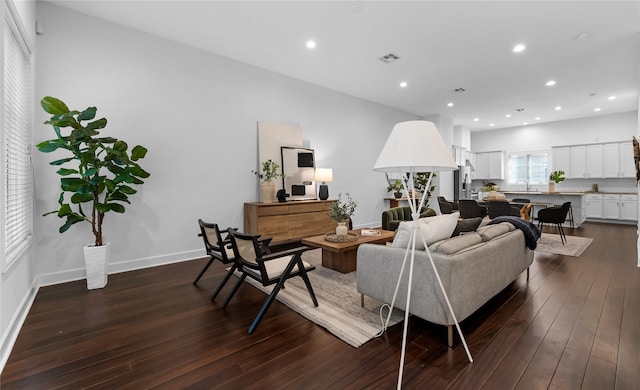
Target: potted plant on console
554 178
396 188
101 176
270 171
342 212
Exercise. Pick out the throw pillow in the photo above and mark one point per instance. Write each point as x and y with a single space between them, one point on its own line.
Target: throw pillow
432 228
438 228
403 235
467 225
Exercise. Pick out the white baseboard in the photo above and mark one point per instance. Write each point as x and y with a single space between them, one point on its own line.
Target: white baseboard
121 266
15 324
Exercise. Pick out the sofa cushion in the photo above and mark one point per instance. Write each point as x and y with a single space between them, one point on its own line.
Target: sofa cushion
456 244
438 228
490 232
432 228
466 225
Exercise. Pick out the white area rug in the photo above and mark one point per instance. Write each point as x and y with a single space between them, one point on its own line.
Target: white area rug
574 246
338 308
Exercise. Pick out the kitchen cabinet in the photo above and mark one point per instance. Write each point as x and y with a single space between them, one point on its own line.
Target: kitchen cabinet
472 159
490 165
586 161
629 207
578 166
611 206
482 165
618 160
594 161
561 160
593 205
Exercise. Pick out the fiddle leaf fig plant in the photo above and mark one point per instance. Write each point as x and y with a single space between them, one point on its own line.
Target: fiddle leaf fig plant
97 173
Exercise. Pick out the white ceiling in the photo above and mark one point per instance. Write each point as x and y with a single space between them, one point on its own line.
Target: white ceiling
442 45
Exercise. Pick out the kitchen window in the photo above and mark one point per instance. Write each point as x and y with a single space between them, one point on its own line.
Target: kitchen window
528 168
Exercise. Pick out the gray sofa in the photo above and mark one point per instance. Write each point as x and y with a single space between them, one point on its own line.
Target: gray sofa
473 268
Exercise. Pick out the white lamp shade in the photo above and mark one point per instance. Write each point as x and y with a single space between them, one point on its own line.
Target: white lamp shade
324 174
415 146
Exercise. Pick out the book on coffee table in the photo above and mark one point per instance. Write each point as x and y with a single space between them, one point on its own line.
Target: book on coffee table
369 232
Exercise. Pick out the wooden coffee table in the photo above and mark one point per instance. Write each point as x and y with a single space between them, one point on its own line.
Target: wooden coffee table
342 256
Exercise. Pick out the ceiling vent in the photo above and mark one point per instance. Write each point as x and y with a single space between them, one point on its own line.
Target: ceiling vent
389 58
519 109
458 90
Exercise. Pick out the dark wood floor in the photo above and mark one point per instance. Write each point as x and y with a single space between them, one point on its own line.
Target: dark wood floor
574 324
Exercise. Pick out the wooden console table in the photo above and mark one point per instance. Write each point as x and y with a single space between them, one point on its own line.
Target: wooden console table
288 221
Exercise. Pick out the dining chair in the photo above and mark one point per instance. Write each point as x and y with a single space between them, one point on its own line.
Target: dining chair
556 215
497 208
267 269
469 208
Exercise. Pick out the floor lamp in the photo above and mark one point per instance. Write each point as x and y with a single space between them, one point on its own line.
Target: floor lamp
413 147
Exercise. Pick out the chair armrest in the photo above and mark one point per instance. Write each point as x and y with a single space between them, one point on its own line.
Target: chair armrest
264 245
291 251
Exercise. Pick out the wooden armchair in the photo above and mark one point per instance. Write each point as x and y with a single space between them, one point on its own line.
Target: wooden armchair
219 248
267 269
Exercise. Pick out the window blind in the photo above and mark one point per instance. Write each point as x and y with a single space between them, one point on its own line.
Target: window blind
16 130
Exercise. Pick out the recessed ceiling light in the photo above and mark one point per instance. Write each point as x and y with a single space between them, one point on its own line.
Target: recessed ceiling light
558 108
583 36
450 104
524 123
538 118
518 48
611 98
597 109
550 83
311 44
403 84
355 9
476 119
508 116
491 124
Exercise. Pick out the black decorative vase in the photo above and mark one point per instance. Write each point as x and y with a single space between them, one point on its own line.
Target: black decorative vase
323 192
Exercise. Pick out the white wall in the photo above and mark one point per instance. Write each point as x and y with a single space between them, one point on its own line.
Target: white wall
17 284
196 113
604 128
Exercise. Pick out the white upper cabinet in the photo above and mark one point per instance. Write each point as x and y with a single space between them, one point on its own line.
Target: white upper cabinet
618 160
611 160
489 165
562 160
578 167
627 164
604 160
594 160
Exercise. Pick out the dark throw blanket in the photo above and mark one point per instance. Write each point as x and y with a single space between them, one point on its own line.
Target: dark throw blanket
531 231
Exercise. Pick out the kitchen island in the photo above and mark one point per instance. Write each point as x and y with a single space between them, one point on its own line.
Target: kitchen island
615 207
546 199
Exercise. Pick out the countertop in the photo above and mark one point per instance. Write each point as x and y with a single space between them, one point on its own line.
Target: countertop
568 193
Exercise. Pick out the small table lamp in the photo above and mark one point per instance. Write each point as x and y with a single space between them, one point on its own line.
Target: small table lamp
324 175
413 147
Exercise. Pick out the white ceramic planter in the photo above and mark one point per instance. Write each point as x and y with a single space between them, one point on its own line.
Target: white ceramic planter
96 260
